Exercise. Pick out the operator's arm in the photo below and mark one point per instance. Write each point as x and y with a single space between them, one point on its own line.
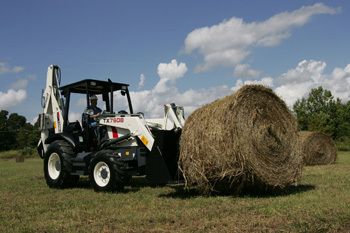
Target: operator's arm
92 114
95 115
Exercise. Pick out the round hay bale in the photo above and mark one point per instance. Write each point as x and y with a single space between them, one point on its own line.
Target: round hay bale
317 148
247 139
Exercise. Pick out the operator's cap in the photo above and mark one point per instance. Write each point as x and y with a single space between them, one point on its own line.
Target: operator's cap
93 97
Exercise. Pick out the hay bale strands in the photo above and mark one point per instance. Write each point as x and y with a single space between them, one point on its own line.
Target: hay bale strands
317 148
249 138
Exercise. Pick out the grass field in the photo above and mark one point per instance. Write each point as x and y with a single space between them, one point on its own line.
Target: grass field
320 203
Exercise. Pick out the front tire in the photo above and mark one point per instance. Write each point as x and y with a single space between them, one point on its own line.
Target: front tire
58 165
104 173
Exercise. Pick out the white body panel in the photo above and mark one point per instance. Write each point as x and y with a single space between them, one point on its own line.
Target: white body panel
130 124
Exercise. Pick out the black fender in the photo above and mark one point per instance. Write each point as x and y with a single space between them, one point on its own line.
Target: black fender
40 149
62 136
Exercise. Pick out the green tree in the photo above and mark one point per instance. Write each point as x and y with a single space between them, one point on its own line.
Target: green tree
15 121
3 129
320 111
28 136
15 132
3 119
7 137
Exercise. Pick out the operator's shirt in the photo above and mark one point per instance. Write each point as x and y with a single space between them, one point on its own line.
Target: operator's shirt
95 110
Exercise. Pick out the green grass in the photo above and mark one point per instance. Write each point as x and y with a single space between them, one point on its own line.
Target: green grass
320 203
26 153
343 146
9 154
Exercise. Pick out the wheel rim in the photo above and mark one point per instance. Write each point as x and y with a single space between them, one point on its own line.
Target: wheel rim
102 174
54 166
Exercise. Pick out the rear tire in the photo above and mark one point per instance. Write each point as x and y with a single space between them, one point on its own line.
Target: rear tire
58 165
105 174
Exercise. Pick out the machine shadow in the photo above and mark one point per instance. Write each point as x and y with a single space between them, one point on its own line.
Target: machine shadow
135 185
181 192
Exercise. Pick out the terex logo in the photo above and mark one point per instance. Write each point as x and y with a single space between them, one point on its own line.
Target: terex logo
113 120
118 120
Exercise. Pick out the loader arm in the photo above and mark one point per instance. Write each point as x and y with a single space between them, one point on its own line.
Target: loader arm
173 118
134 125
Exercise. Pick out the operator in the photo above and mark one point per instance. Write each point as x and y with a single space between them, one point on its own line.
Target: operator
93 111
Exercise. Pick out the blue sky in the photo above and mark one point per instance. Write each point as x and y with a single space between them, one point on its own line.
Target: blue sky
208 48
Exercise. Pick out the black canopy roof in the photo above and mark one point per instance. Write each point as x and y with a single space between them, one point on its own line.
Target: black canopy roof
93 87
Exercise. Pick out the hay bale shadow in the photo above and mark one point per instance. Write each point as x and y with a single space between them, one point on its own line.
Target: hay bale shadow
276 192
180 192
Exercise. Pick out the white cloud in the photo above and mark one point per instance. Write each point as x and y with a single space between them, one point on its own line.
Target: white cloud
305 71
151 102
297 82
244 71
11 98
19 84
172 70
4 68
192 99
231 41
294 91
267 81
339 83
14 95
142 81
168 74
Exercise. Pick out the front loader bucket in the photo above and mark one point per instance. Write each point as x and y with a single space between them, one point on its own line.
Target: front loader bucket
162 162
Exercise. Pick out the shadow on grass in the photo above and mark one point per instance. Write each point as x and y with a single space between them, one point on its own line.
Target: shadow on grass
275 192
181 192
184 193
135 185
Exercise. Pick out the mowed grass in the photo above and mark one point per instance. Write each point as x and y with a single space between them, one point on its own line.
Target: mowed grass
320 203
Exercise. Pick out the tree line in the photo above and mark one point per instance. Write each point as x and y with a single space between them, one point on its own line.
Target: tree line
320 111
16 132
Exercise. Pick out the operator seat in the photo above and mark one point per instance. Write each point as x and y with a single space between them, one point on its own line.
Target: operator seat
84 120
89 132
74 128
